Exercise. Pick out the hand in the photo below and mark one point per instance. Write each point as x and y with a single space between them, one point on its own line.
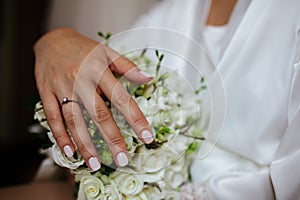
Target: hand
62 69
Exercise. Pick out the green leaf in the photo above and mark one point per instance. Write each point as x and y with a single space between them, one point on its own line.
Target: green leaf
106 170
161 57
101 34
107 35
157 53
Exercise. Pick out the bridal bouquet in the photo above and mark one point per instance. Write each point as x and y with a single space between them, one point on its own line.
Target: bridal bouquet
156 170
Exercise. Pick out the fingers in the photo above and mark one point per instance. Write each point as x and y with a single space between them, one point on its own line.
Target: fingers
70 114
100 114
56 123
76 124
126 105
124 66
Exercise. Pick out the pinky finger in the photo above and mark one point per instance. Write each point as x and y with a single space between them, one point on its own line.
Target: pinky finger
56 123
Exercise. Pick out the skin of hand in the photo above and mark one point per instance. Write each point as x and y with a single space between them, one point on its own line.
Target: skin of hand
70 65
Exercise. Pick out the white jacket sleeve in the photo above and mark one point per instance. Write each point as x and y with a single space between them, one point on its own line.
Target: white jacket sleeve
280 181
285 171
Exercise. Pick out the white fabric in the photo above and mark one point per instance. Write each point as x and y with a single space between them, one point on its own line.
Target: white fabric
257 156
216 38
212 40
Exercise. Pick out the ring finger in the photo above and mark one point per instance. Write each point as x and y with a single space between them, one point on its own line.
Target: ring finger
75 123
104 121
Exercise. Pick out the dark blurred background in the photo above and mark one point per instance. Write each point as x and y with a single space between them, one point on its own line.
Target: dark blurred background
22 23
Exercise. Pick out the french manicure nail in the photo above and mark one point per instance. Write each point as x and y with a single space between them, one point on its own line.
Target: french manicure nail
122 159
147 136
94 163
68 151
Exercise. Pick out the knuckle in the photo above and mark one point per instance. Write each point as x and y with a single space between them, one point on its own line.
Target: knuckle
116 142
101 115
53 117
73 120
84 149
122 99
140 121
128 64
60 139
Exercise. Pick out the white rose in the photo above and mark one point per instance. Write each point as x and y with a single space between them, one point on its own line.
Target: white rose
172 195
79 173
140 196
60 158
90 188
51 137
147 193
176 174
40 115
154 193
130 144
178 144
128 182
111 193
149 160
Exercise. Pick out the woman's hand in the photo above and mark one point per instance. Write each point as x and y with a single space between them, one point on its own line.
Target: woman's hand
70 65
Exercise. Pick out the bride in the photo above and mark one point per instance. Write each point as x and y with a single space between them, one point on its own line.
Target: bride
255 47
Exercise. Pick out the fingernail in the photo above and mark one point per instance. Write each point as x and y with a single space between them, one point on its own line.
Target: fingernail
147 136
122 159
68 151
94 164
145 74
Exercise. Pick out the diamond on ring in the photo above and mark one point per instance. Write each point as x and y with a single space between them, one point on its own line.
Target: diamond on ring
65 100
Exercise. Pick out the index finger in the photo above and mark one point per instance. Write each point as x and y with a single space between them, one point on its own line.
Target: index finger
123 66
117 94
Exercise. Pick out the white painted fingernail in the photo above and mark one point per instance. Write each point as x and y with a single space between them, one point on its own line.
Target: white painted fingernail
68 151
147 136
94 164
122 159
145 74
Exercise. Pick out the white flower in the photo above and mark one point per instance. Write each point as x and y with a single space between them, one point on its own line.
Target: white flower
105 179
147 194
140 196
154 192
79 173
176 174
40 115
130 145
170 108
149 160
172 195
60 158
193 191
178 144
51 137
111 193
144 105
128 182
90 188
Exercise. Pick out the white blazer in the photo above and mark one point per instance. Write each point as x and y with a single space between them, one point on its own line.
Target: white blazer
257 155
